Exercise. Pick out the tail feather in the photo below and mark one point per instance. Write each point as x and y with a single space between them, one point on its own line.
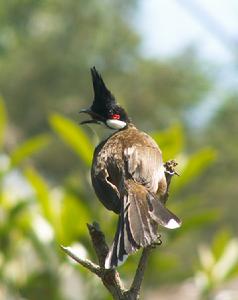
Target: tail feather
142 227
122 244
138 221
160 214
130 244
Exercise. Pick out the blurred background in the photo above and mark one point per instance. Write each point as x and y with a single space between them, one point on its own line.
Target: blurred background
173 64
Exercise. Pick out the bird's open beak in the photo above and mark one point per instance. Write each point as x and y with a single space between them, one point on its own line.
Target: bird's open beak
95 117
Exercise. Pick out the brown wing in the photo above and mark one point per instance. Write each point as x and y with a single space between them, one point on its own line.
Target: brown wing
145 165
106 175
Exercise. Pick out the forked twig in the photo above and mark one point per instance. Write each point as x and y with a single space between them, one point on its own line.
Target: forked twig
111 278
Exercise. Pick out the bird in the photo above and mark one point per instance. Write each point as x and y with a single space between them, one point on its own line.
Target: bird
128 176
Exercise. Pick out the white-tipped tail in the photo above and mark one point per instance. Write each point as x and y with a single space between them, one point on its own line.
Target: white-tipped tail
173 224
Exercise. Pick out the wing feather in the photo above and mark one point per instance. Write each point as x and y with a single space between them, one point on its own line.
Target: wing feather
145 165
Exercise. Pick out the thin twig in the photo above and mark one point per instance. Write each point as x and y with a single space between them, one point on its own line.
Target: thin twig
139 275
99 243
86 263
111 278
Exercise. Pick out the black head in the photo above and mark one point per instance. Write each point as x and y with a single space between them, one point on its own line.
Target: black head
104 108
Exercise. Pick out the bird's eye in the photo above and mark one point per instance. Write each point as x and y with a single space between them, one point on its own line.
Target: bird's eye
115 117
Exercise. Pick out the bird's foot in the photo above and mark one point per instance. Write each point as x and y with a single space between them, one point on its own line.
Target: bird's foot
170 167
156 243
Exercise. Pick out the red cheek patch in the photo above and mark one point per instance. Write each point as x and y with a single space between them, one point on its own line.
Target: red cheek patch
115 117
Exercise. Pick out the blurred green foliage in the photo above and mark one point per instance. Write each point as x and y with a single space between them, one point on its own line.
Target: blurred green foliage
45 63
217 263
35 224
46 50
3 120
28 148
72 135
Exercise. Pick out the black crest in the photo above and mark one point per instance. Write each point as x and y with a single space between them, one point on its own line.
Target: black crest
103 101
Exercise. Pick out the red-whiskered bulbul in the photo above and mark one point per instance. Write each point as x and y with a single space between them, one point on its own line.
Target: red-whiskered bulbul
128 176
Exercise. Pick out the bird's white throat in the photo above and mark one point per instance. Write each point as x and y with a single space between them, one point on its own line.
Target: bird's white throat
102 132
115 124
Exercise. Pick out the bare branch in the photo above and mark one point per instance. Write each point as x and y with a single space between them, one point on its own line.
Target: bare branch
139 275
111 278
86 263
99 243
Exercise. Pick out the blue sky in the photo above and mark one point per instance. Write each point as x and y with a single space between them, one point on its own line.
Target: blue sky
167 26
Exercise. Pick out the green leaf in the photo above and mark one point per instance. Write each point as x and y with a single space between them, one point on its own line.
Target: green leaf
42 192
220 241
195 165
3 120
73 136
74 216
170 141
18 208
29 148
227 262
233 272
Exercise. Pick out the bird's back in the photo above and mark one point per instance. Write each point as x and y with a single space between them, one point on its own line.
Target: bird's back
127 154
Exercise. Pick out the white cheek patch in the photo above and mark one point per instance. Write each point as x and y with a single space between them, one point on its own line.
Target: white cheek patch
115 124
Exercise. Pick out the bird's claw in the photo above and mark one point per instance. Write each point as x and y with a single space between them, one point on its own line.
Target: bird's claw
157 243
170 167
